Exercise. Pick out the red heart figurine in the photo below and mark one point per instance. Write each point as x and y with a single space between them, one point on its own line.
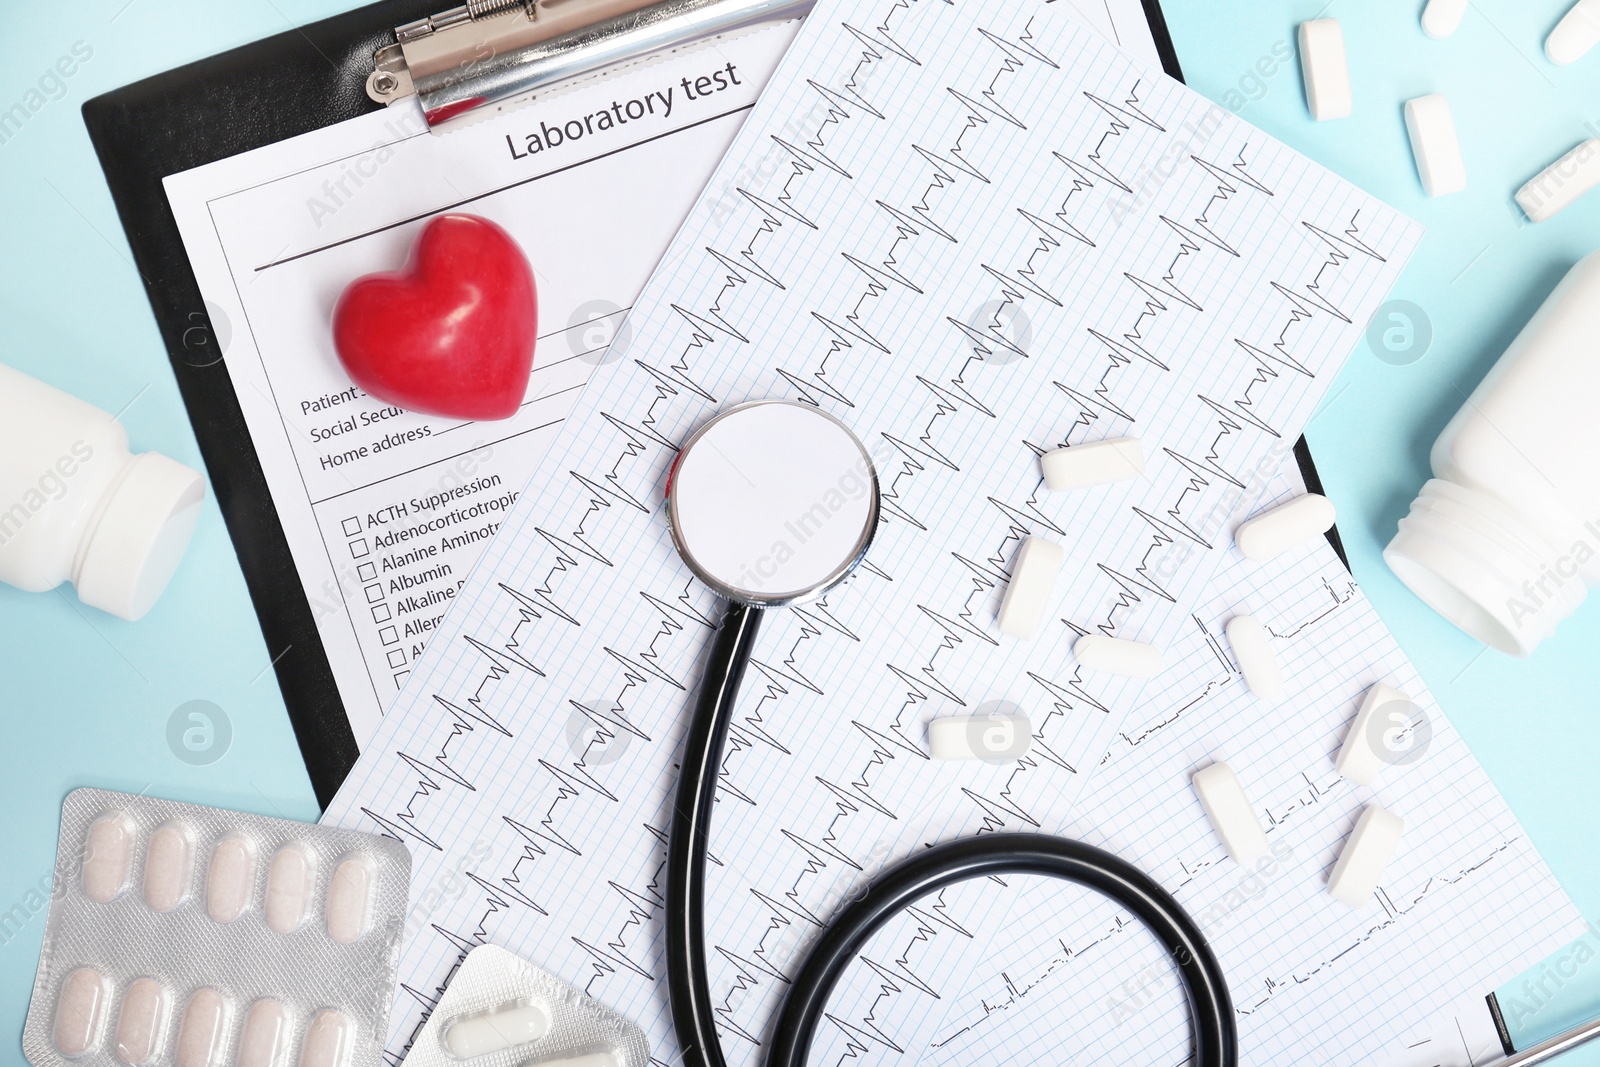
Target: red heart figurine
452 334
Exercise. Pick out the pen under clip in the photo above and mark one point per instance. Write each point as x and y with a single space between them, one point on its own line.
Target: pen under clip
495 53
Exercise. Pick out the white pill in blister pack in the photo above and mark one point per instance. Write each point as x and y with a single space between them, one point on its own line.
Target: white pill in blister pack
1365 855
1092 463
1434 145
1325 69
968 737
1252 650
1230 813
1281 528
501 1010
1033 579
1135 659
204 938
1555 188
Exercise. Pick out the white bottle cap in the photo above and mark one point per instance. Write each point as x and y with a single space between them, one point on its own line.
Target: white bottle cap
1484 567
140 536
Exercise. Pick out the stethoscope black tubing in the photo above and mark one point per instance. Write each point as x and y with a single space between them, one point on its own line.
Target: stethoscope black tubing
694 1017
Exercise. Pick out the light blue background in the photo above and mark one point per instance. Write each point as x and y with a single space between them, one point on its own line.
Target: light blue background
86 698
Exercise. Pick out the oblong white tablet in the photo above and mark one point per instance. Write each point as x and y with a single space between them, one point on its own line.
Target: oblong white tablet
1231 814
107 856
492 1031
229 879
1252 650
289 878
1556 187
1576 33
1132 658
264 1038
328 1040
1033 579
1291 523
1435 146
350 899
80 1010
1359 760
1441 18
141 1020
1368 851
1092 463
1324 68
168 868
959 737
204 1030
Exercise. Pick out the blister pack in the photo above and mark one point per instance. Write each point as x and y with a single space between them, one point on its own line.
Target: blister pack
501 1011
186 935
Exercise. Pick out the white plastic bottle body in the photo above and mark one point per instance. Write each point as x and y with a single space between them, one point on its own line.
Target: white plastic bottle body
1504 540
77 505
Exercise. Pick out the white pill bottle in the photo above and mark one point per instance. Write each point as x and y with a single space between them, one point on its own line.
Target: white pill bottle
1504 540
76 505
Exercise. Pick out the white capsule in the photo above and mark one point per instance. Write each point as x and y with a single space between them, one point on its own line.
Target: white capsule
230 879
1252 650
1556 187
1132 658
349 899
1368 851
107 857
204 1030
1092 463
492 1031
80 1010
1289 524
1231 814
141 1021
964 737
1434 145
168 868
1441 18
328 1040
264 1038
289 878
1325 69
1033 579
1384 707
1576 33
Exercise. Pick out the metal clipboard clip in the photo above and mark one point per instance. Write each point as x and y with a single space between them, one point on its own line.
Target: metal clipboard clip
489 55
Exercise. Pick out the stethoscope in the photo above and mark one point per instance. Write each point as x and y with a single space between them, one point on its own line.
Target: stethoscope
774 503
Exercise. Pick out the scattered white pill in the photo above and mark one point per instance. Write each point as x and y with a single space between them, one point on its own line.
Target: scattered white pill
492 1031
1252 649
168 868
1576 33
1092 463
1033 579
1365 855
230 879
1231 814
1289 524
140 1022
289 877
1555 188
349 899
1359 758
328 1040
264 1038
1324 68
1434 145
80 1009
996 737
107 857
204 1030
1441 18
1132 658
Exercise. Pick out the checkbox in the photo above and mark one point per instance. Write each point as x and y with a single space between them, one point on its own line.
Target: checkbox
374 592
400 679
367 571
397 657
352 526
358 547
380 613
388 635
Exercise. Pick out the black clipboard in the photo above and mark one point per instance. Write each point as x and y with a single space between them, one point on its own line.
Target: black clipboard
256 95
